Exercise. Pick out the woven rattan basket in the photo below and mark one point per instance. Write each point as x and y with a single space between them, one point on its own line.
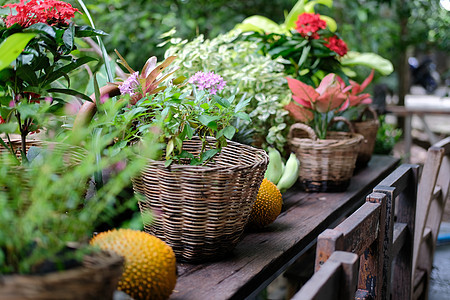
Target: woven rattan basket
368 129
325 165
97 278
72 155
201 211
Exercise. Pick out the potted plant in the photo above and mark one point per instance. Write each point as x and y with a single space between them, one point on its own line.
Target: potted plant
363 118
40 40
327 158
203 186
47 219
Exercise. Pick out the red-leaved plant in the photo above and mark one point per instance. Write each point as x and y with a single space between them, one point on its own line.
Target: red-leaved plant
316 107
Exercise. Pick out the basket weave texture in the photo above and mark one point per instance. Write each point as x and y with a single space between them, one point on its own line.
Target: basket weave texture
201 211
325 165
97 278
72 155
369 130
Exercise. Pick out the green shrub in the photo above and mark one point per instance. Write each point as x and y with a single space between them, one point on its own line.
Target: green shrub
241 66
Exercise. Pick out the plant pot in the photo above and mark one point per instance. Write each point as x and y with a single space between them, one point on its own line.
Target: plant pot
201 211
368 129
325 165
97 278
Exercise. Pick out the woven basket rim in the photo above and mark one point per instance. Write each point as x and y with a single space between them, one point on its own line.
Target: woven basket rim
352 138
257 152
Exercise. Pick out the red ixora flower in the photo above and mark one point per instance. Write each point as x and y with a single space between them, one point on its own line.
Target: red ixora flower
2 121
52 12
308 25
337 45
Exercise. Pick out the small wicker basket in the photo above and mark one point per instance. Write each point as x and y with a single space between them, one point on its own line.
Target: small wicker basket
369 130
201 211
325 165
97 278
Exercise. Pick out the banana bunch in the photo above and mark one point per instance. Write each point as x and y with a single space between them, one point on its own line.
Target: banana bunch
283 176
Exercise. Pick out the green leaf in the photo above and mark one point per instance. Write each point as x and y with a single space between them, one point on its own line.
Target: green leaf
8 127
368 59
168 163
188 131
11 48
331 23
260 24
304 56
222 101
207 155
229 132
207 120
68 36
70 92
65 69
205 106
27 74
292 17
27 110
243 116
41 28
88 31
169 148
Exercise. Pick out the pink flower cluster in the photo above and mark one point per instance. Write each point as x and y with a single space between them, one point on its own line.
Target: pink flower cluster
131 85
308 25
52 12
208 81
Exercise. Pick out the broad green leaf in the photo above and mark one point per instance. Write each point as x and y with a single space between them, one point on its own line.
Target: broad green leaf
368 59
292 17
188 131
207 155
41 28
229 132
11 48
206 120
309 7
265 24
222 101
8 127
331 23
243 116
27 110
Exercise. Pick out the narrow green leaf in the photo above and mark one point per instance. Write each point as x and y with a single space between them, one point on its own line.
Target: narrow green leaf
304 56
291 18
68 36
11 48
222 101
70 92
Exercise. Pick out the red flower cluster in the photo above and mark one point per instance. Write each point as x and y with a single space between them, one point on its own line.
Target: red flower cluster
52 12
337 45
2 121
308 25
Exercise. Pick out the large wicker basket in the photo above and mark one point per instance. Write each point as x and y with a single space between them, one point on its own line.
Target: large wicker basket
368 129
97 278
72 155
325 165
201 211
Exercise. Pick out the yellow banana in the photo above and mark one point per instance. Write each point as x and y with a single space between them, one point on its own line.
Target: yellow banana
290 174
275 166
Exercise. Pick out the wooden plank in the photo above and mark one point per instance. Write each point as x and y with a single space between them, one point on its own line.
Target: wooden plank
400 230
373 260
361 228
336 279
261 256
398 179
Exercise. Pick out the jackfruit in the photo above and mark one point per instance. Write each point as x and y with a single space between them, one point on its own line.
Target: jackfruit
150 265
267 206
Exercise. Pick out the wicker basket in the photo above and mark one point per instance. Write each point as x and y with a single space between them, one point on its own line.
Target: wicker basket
72 155
97 278
369 130
201 211
325 165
